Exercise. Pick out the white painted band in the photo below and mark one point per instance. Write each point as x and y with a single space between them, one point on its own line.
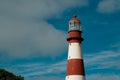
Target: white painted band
75 77
74 51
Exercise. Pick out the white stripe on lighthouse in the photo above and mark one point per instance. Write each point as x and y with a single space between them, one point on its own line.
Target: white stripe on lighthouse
75 77
74 51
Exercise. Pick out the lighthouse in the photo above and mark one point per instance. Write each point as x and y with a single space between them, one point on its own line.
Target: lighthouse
75 64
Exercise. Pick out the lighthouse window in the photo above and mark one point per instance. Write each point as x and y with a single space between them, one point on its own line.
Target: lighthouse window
71 26
74 26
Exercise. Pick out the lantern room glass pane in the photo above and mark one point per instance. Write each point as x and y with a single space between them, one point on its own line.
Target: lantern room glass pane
74 26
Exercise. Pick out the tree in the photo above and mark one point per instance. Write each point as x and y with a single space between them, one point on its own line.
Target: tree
5 75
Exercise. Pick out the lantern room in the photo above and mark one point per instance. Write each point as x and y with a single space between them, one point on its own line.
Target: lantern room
75 24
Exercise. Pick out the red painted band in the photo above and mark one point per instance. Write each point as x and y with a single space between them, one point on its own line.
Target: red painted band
75 67
74 36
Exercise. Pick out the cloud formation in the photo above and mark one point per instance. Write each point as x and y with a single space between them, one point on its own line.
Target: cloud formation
48 78
95 63
24 29
103 60
103 77
108 6
55 68
34 71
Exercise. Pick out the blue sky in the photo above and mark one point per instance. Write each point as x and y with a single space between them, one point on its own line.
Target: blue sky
33 37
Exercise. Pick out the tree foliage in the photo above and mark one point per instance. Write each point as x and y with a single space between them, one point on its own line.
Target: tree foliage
5 75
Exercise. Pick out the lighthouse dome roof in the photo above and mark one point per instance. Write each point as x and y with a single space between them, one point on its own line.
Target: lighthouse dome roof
75 19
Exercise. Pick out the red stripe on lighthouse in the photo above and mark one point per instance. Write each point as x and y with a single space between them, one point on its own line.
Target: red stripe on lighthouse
75 67
74 36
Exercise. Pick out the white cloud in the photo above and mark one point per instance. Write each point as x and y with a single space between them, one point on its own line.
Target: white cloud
103 77
24 31
37 69
56 68
103 60
109 6
47 78
22 39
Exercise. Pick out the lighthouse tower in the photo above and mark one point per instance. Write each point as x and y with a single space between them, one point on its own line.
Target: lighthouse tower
75 64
